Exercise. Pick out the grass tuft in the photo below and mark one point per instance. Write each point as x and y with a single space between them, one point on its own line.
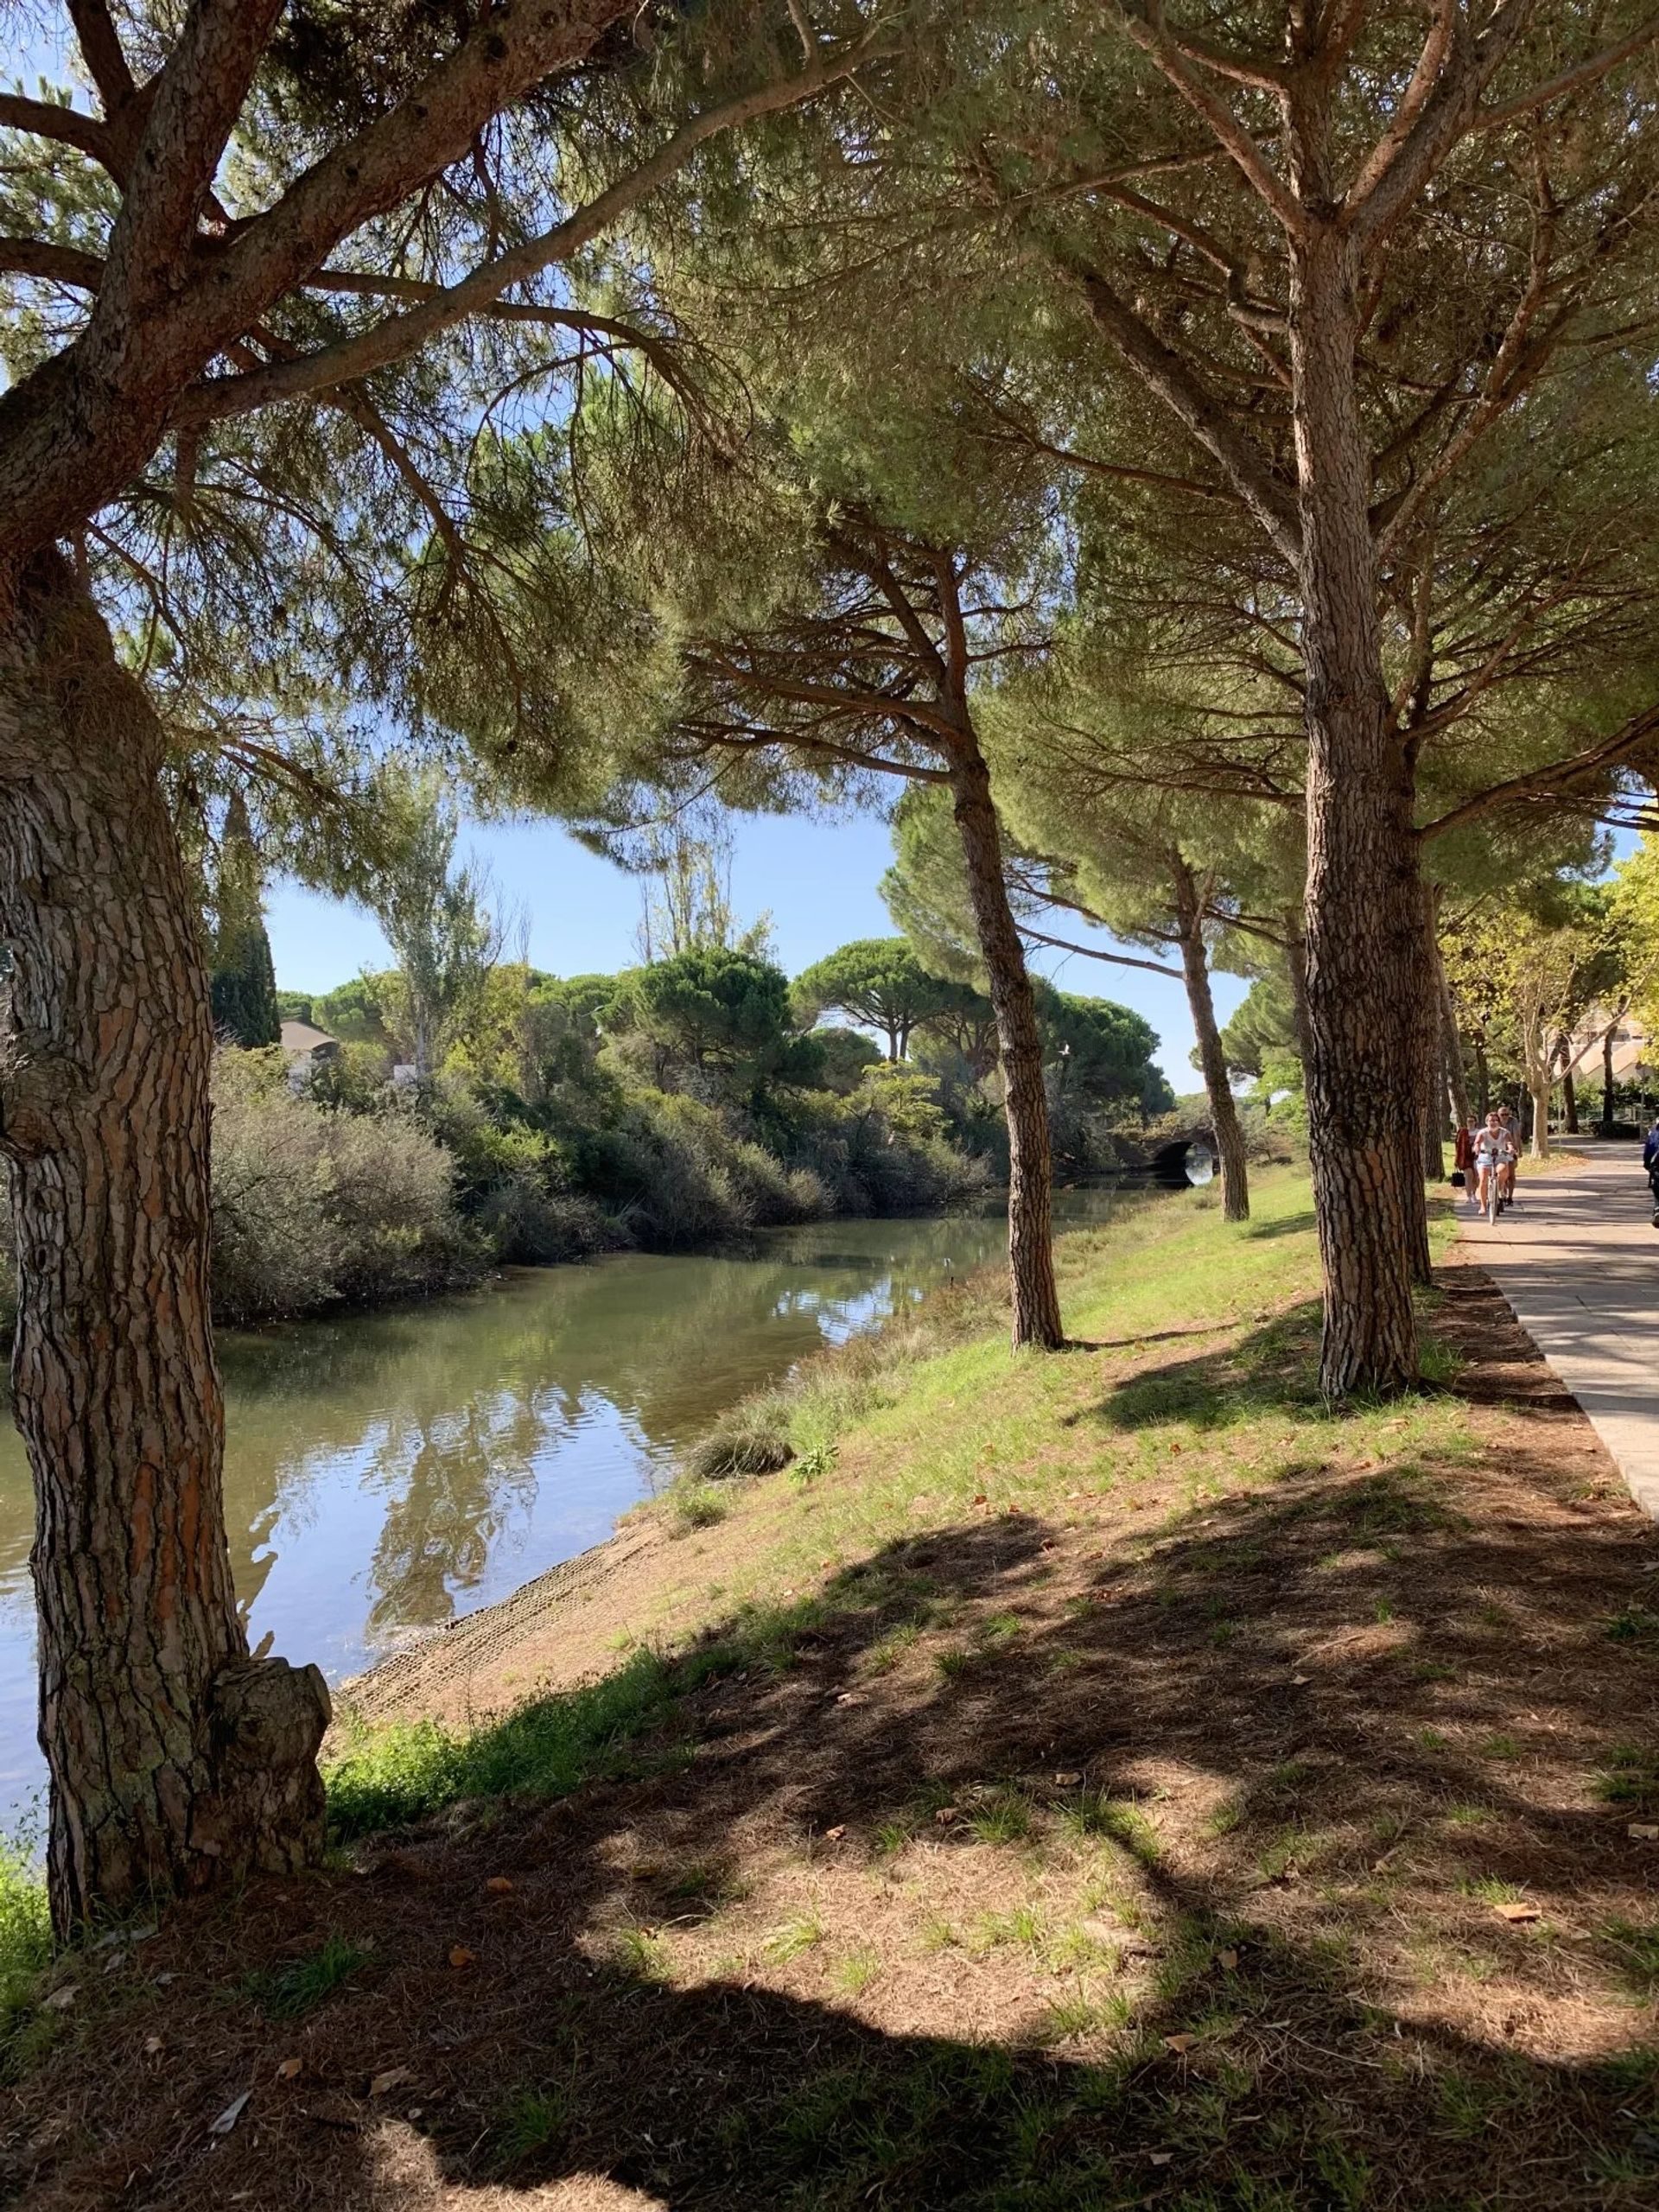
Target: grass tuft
753 1441
1095 1813
286 1993
802 1933
853 1974
1630 1777
694 1505
531 2121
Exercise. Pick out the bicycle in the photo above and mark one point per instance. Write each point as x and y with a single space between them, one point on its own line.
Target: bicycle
1496 1200
1494 1194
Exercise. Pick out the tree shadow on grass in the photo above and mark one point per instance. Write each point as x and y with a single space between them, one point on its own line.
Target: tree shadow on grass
1289 1224
1302 1744
1271 1367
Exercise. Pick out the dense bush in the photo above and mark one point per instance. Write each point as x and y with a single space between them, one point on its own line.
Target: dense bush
313 1204
673 1106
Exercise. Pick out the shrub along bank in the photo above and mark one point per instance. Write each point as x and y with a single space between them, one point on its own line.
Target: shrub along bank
672 1106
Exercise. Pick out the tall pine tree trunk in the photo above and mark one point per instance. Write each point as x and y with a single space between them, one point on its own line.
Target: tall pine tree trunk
1296 963
1212 1059
1031 1247
174 1759
1451 1042
1364 911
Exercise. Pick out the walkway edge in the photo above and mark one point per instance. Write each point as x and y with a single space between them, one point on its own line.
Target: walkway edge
1577 1262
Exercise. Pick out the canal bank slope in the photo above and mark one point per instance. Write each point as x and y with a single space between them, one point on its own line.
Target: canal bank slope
1105 1779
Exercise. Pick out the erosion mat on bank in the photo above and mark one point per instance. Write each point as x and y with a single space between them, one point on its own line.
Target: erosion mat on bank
1110 1780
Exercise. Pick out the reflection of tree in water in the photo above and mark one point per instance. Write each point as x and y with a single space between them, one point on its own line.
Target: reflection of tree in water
451 1490
454 1412
390 1400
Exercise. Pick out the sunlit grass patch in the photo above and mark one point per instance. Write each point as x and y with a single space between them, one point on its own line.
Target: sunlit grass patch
388 1776
1022 1925
642 1955
1230 1814
547 1747
1001 1817
1085 2012
1096 1814
1463 1815
802 1932
854 1973
693 1505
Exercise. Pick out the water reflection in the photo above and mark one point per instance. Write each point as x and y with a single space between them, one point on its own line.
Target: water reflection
387 1472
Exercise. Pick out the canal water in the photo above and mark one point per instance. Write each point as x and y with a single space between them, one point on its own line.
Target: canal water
387 1473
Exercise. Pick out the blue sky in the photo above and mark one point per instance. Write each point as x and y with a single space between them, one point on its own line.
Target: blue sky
816 877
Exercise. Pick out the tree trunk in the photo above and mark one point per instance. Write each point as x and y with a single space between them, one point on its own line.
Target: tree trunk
174 1759
1539 1086
1608 1117
1483 1077
1431 1060
1223 1113
1570 1101
1456 1076
1296 962
1019 1050
1433 1116
1364 910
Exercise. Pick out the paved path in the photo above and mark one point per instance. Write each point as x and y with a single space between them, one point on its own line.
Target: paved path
1578 1260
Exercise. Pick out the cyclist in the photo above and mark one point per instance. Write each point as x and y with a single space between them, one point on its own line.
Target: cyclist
1494 1152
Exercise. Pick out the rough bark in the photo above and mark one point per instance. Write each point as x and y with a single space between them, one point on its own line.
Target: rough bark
1364 913
1031 1249
1296 962
1212 1059
1456 1076
174 1759
1570 1102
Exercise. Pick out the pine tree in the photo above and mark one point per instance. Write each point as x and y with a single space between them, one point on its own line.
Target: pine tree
268 275
242 977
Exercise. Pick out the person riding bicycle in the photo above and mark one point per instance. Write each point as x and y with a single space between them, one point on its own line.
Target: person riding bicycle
1650 1158
1494 1152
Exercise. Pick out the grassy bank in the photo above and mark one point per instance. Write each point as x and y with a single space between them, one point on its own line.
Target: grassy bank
1103 1780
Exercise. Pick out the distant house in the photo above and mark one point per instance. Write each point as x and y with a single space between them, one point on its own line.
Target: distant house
1633 1055
305 1049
